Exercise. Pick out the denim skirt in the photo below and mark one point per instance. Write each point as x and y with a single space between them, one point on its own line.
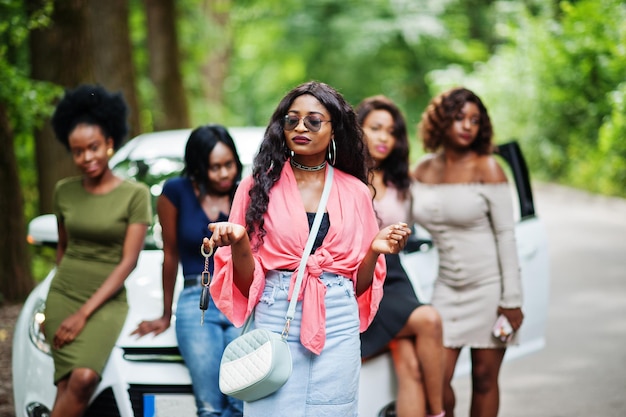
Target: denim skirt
320 385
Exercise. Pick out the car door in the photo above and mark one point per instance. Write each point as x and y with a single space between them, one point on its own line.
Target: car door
532 249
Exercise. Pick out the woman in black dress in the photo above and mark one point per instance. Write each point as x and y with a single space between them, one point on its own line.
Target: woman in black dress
410 329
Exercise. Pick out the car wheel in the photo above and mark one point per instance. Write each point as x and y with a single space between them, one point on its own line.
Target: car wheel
388 411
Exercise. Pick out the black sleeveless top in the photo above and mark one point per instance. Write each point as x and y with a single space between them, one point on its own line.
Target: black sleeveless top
323 230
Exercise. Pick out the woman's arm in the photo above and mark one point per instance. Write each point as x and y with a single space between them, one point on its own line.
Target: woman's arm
133 244
391 239
72 326
168 214
235 236
61 241
501 217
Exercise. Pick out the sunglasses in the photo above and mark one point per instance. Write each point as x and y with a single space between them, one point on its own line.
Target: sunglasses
311 122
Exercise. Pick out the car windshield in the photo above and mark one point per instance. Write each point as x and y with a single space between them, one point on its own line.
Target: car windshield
153 172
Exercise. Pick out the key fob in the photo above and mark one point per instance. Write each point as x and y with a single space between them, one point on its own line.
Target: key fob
204 298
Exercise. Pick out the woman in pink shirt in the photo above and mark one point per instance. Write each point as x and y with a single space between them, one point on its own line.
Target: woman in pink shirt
264 239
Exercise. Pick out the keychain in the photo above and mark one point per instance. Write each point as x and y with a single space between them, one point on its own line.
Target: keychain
205 280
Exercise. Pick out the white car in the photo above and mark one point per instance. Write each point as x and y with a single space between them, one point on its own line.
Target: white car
146 377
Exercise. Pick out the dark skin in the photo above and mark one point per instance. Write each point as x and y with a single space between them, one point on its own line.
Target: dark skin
417 350
309 149
90 151
221 174
456 163
453 167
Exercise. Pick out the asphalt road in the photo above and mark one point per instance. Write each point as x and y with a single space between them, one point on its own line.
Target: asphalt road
582 370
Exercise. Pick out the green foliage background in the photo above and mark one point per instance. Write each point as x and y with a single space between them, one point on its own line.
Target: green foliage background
565 98
28 103
551 73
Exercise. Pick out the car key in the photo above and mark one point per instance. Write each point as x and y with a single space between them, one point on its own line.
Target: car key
204 302
205 280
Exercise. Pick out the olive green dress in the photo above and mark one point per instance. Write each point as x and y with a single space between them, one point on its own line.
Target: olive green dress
96 227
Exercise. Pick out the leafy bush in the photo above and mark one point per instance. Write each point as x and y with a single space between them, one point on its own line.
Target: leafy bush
557 85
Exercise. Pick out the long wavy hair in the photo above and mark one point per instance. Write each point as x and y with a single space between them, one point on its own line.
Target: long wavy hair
269 162
396 166
200 144
440 114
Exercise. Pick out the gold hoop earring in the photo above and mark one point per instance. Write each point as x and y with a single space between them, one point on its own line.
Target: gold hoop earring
110 152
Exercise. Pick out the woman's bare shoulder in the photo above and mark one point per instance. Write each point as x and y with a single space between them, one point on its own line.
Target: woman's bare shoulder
490 170
424 165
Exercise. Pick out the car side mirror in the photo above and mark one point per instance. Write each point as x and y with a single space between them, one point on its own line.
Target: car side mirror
417 243
42 230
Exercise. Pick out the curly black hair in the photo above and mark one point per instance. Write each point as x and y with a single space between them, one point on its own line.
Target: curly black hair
200 144
440 114
269 162
396 166
93 105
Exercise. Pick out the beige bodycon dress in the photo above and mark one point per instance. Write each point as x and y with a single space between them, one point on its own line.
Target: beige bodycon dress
473 229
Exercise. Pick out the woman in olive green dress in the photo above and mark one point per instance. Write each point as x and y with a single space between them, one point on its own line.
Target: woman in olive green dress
102 221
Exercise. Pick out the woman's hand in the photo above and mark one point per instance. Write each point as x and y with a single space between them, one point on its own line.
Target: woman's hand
68 330
235 236
391 239
157 326
224 234
513 315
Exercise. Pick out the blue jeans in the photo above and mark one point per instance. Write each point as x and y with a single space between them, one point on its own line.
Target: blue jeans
201 347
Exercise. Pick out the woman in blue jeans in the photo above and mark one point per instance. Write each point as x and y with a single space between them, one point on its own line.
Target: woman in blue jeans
201 195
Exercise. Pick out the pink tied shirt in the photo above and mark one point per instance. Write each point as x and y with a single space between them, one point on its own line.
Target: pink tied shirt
353 226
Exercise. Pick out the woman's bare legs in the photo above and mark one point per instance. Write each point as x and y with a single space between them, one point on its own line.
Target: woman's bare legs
418 358
485 391
451 356
74 392
411 398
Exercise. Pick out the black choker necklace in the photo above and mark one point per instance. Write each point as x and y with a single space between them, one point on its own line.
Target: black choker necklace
306 167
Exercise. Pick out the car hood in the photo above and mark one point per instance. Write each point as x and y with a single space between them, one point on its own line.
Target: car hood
145 300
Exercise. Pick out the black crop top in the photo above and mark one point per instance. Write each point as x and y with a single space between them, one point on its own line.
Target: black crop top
323 230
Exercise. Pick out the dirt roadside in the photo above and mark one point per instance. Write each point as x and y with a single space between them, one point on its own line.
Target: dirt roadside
8 316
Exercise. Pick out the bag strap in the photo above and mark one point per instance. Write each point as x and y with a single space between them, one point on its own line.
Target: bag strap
309 243
291 311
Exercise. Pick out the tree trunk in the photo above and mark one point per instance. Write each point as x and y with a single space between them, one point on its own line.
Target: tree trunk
16 280
87 42
59 54
112 53
171 107
215 68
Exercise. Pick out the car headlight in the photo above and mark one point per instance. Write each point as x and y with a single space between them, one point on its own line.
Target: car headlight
37 410
35 330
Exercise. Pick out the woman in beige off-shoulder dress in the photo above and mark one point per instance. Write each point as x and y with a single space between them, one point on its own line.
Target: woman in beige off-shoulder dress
461 196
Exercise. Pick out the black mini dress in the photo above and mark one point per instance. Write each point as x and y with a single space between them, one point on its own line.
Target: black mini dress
398 302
